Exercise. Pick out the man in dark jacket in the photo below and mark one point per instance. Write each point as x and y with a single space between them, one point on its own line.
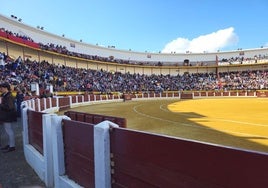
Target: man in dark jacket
8 115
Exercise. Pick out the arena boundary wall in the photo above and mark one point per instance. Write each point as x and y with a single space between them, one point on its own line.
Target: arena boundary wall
242 168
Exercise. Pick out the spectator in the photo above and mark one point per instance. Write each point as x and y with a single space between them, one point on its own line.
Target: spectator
19 98
8 115
2 62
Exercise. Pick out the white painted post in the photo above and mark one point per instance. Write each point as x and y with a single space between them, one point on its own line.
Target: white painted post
33 104
25 126
70 100
50 102
38 104
57 102
102 154
58 153
45 103
47 148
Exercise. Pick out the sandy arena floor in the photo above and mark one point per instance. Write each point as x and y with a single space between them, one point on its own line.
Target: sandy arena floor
234 122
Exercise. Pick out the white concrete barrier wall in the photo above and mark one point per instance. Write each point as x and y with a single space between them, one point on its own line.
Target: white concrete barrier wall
60 179
42 164
101 154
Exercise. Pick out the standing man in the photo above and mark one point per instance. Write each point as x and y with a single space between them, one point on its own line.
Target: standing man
8 115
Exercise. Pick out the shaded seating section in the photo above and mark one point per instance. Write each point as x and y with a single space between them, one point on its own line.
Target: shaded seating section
95 118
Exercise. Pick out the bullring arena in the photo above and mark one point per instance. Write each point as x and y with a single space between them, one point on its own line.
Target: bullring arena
171 120
233 122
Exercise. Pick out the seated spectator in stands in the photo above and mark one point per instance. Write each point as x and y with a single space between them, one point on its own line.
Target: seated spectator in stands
19 98
2 62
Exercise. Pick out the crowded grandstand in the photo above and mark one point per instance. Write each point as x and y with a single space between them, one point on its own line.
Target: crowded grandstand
29 55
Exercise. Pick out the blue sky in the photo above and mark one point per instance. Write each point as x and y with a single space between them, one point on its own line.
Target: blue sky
150 25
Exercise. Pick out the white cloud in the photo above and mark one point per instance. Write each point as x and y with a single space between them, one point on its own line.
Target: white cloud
209 43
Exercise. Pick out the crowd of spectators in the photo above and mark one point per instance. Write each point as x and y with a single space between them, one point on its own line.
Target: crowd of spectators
22 73
63 50
24 37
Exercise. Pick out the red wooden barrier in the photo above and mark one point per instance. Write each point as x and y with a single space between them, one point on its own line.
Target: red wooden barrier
48 105
42 104
250 93
89 118
35 130
54 102
79 152
64 103
145 95
80 117
95 118
79 98
98 97
86 98
196 94
91 97
176 94
127 97
262 93
211 93
233 93
203 94
242 93
146 160
186 96
73 99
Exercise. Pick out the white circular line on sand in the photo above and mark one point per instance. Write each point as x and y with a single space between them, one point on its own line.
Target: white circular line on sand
241 122
192 125
161 119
